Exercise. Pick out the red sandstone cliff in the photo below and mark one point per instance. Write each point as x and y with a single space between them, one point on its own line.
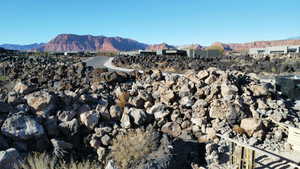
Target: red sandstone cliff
160 47
261 44
71 42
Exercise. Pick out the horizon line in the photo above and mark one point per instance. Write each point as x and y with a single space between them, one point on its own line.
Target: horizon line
192 43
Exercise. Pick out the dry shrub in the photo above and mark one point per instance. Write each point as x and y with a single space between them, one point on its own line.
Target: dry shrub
81 165
3 78
97 75
134 146
238 129
122 99
38 161
43 161
98 71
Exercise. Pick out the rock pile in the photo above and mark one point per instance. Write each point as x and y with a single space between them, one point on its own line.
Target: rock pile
76 109
181 64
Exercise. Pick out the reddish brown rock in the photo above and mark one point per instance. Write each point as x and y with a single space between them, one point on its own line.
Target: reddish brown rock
160 47
256 44
71 42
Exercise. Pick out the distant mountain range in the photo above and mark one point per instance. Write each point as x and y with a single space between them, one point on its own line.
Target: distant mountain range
22 47
294 38
72 42
261 44
191 46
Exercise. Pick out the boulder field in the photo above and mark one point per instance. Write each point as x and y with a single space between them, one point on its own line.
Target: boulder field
180 64
68 109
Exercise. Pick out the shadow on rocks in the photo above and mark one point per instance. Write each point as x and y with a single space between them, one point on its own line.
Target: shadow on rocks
174 154
188 152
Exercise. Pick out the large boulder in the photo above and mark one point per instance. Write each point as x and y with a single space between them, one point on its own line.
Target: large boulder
90 119
192 76
22 88
42 102
103 110
139 116
22 127
202 74
218 109
80 67
200 108
171 128
66 115
156 75
259 90
9 158
234 113
138 102
115 111
228 90
186 101
111 77
167 96
125 121
251 125
159 111
185 90
101 152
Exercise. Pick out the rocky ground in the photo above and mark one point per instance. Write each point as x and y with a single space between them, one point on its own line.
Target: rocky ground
179 64
134 120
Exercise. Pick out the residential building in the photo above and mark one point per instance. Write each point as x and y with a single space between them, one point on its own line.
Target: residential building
175 52
193 53
146 52
171 52
274 50
129 53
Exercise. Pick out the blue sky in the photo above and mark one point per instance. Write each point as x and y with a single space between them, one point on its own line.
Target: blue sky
175 22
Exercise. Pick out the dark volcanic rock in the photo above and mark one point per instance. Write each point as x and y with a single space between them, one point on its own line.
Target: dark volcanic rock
4 107
3 143
87 109
70 128
22 127
9 158
42 102
172 155
181 64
